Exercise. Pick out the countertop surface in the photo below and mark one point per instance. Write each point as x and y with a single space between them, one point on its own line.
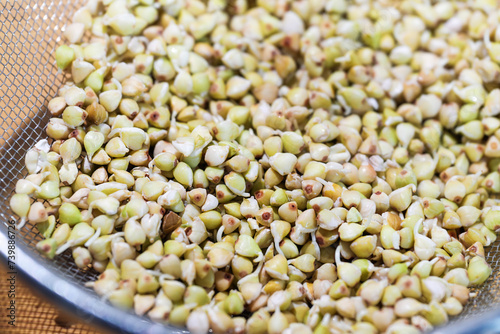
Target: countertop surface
34 315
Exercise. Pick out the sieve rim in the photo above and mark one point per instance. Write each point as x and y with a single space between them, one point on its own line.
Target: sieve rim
47 277
74 300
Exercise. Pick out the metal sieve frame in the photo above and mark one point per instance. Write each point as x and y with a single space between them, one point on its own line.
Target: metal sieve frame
30 32
77 301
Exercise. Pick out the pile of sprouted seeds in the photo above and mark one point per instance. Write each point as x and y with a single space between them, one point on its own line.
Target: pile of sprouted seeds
321 166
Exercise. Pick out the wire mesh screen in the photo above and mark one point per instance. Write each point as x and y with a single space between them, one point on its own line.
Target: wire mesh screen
30 31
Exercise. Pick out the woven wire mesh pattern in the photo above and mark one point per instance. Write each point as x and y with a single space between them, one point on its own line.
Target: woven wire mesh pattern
30 30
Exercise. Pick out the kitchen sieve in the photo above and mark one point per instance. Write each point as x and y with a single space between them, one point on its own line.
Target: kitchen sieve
30 30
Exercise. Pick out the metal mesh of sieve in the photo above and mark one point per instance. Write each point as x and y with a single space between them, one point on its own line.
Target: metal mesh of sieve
29 33
29 78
